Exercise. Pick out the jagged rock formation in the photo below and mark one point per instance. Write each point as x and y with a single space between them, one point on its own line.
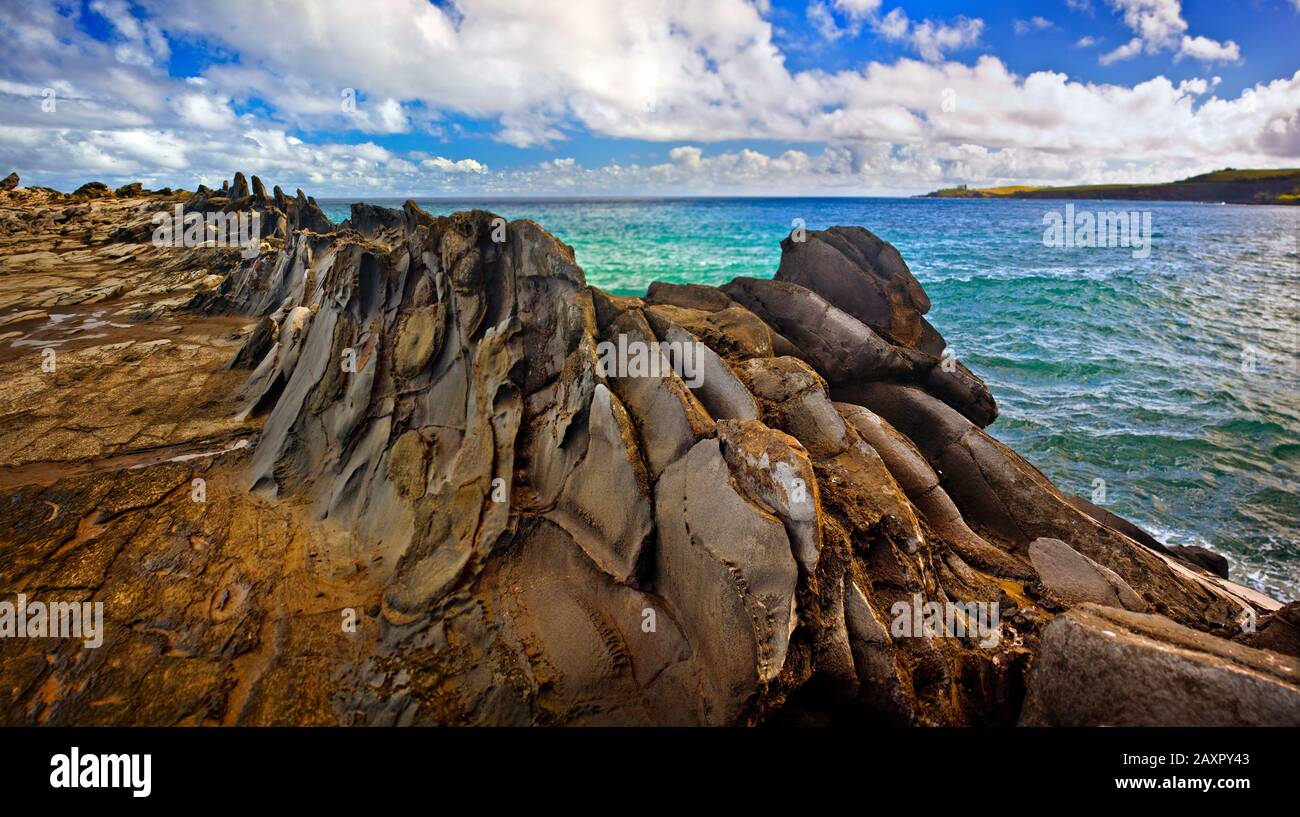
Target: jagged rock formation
280 216
766 512
368 219
704 506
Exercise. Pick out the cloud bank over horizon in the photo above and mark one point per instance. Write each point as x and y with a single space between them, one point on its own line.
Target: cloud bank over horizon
589 97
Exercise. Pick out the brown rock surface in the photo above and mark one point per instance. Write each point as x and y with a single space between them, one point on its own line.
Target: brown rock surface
381 475
1099 666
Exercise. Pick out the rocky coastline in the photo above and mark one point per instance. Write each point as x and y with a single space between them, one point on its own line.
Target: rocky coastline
446 481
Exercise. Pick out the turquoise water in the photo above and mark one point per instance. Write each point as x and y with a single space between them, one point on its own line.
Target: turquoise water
1174 379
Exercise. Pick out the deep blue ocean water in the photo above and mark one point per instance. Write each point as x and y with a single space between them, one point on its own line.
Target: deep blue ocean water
1171 382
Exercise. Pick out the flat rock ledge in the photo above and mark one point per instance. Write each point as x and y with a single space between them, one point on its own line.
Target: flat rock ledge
1102 666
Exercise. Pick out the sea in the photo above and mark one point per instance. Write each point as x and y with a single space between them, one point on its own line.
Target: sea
1163 384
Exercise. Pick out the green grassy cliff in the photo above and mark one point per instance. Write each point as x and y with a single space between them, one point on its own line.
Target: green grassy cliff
1281 186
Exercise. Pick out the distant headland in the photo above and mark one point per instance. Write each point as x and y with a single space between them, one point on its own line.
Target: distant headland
1232 186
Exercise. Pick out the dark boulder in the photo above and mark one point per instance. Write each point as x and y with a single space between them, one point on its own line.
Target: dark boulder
369 219
866 277
239 190
1098 666
687 296
839 345
93 190
1279 631
1203 558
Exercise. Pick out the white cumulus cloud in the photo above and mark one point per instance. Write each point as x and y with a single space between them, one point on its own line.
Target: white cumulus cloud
673 73
1159 26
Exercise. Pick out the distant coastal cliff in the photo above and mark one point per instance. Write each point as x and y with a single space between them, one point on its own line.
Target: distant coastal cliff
1281 186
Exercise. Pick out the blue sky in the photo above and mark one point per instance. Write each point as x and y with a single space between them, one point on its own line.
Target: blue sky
697 97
